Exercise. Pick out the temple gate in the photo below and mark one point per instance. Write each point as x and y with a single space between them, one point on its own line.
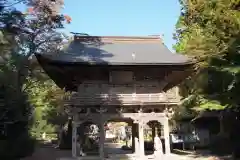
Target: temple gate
119 78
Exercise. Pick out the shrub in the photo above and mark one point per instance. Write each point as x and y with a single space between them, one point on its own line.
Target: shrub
12 148
220 145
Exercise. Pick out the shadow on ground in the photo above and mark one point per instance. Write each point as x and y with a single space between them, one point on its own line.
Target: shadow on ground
47 151
201 155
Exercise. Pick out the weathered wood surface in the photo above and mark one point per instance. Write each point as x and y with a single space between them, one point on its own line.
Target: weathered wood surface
142 118
129 94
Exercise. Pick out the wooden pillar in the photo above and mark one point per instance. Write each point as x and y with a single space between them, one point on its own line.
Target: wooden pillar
153 132
101 140
134 135
80 141
74 136
166 136
141 139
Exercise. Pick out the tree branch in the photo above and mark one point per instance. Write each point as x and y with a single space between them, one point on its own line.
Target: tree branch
13 3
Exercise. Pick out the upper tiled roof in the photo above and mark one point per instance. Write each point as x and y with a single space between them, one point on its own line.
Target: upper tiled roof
119 50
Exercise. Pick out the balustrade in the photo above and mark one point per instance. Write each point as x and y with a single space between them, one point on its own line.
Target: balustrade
109 94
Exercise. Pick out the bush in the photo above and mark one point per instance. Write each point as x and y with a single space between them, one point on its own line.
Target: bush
17 147
221 145
66 141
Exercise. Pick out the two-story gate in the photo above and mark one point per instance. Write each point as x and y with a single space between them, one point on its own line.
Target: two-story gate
129 78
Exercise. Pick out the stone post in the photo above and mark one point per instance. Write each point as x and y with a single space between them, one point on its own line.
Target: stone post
141 139
166 137
158 148
136 147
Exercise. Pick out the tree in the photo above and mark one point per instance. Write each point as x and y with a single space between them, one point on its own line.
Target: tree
209 32
48 101
22 35
27 34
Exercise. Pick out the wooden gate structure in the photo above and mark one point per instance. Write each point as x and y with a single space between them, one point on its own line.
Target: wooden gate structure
126 78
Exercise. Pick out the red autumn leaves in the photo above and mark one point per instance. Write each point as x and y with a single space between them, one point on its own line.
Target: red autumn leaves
30 10
66 17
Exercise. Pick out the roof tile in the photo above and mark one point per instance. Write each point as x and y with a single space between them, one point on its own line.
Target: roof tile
119 50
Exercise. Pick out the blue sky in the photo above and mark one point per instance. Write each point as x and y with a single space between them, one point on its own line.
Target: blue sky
124 17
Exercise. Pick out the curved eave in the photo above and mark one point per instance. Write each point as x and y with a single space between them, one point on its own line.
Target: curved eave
48 60
54 69
53 74
179 78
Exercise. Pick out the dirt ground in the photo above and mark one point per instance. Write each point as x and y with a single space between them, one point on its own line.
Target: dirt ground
48 152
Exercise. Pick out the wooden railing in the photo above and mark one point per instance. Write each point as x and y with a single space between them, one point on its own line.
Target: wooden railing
122 95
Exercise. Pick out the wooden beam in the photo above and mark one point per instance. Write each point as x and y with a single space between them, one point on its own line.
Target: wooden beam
146 117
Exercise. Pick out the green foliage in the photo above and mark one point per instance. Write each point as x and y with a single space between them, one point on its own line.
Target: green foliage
209 32
47 100
24 96
16 115
13 149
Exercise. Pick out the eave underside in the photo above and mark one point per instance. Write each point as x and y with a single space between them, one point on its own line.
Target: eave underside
68 74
